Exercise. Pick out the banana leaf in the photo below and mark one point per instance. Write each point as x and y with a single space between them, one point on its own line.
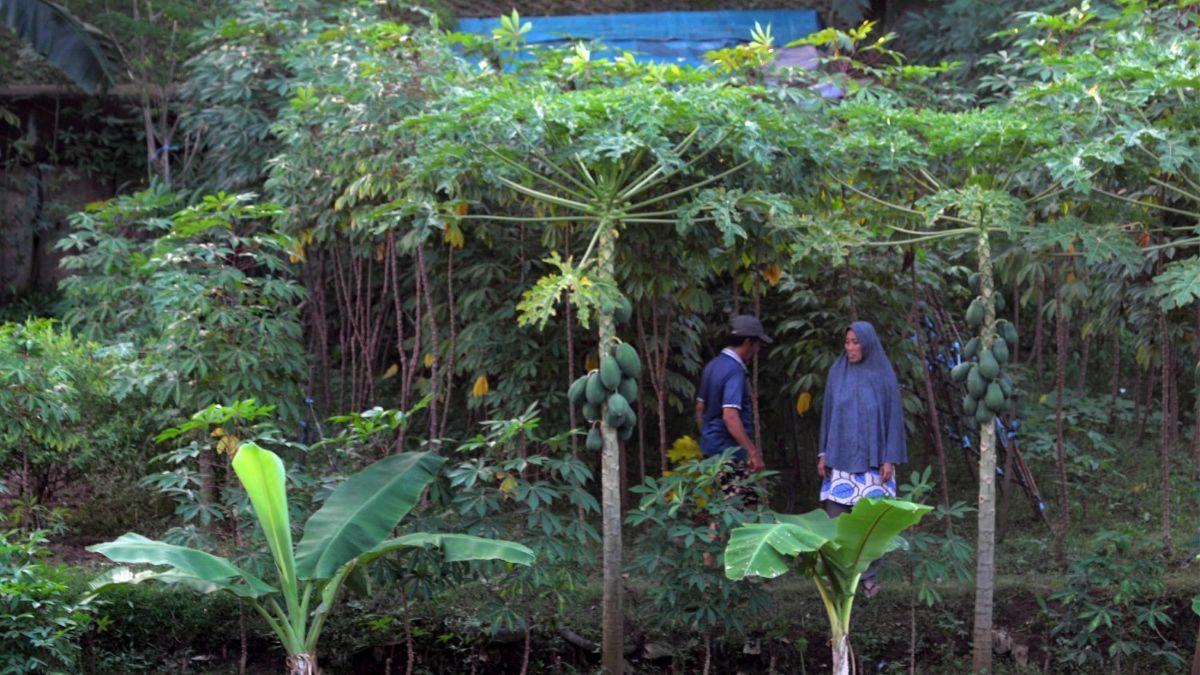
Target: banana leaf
362 512
88 56
265 479
186 562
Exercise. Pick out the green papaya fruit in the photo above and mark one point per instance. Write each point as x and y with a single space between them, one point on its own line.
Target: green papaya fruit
594 442
976 384
623 311
998 301
1000 351
994 397
577 391
973 281
971 348
983 414
628 388
989 367
627 359
591 412
1006 386
626 432
610 373
594 389
959 373
617 405
970 403
1009 333
975 312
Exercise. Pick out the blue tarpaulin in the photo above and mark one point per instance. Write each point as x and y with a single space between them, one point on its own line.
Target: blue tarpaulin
665 37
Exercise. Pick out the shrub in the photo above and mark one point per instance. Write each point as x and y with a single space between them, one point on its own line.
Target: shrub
40 618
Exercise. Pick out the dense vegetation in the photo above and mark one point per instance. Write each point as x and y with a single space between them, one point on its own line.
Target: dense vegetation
367 241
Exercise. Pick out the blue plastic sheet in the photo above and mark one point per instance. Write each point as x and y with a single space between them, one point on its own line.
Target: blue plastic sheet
665 37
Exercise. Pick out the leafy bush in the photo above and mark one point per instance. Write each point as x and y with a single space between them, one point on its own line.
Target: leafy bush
1113 608
685 557
41 618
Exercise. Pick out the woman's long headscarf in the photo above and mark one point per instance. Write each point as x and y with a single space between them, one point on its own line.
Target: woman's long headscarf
862 420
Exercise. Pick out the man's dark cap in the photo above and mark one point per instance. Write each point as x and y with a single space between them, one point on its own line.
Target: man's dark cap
744 325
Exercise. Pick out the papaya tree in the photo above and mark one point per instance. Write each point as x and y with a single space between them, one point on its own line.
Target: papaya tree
352 528
626 160
833 552
971 176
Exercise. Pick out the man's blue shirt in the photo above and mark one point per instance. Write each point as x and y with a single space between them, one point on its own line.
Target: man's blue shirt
724 384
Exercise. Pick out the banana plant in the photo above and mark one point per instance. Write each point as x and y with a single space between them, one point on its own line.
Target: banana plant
833 552
349 531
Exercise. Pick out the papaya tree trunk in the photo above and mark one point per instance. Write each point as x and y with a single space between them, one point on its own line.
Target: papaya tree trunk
986 542
613 621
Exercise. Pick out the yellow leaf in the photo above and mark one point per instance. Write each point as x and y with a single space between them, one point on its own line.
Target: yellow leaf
508 484
772 274
428 360
592 362
803 402
218 432
454 236
391 371
481 387
684 449
379 252
227 445
461 208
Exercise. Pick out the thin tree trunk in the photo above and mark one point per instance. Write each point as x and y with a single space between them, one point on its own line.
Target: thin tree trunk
1165 433
850 291
569 315
435 345
450 357
528 645
1016 320
1060 377
1144 409
1039 341
931 407
1115 385
981 657
613 619
754 382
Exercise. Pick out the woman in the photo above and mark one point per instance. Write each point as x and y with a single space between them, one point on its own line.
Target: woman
862 429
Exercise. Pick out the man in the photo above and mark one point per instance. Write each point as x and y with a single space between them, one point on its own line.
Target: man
724 410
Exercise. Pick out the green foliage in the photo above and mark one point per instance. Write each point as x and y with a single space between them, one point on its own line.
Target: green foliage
686 557
41 620
91 59
349 530
936 559
1113 607
541 498
207 298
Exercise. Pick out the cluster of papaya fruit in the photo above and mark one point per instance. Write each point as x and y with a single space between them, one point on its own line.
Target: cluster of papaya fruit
989 388
609 390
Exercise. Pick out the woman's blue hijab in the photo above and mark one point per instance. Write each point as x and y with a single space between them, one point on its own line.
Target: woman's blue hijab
862 420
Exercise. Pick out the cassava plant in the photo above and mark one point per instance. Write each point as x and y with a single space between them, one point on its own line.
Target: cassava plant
348 532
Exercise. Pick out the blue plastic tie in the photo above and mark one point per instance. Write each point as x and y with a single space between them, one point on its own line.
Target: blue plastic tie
308 401
966 441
